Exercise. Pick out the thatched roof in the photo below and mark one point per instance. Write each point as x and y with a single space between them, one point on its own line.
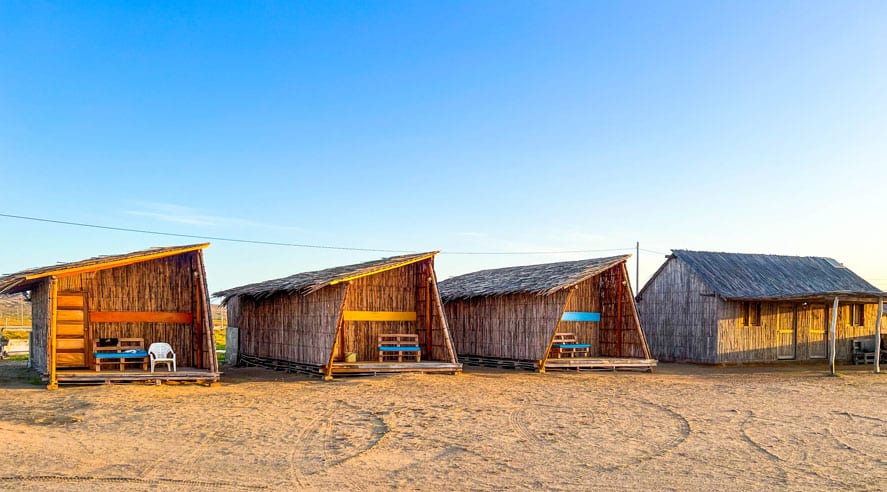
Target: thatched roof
307 282
541 280
24 280
756 276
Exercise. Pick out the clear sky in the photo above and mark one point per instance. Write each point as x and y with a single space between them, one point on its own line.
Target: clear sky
460 126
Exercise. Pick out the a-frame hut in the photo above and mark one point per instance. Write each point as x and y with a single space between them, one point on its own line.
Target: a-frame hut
712 307
375 317
114 305
574 314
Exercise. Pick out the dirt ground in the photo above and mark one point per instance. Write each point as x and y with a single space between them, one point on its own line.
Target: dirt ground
683 427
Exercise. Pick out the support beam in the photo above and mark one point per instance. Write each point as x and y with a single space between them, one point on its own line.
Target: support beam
51 338
619 293
831 338
554 332
340 330
379 315
877 368
183 318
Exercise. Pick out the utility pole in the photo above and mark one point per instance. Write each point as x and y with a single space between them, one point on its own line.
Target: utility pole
637 268
21 309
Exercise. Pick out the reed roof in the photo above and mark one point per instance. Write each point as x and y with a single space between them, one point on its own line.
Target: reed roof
24 280
307 282
541 279
757 276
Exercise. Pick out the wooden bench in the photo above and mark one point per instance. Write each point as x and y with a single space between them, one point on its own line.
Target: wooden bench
126 351
565 345
399 347
864 350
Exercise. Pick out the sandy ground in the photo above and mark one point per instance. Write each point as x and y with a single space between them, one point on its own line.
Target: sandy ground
683 427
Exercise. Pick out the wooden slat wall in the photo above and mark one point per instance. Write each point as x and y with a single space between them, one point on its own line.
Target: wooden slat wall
39 326
759 344
158 285
507 327
392 290
293 328
630 337
680 323
587 297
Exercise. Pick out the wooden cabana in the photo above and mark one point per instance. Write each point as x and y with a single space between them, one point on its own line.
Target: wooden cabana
116 306
569 315
381 316
733 308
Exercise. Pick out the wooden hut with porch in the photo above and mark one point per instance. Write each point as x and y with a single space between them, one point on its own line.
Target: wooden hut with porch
569 315
94 319
732 308
382 316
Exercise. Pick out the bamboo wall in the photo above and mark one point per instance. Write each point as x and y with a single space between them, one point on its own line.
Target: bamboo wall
760 343
619 332
517 326
40 307
680 323
165 284
293 328
587 298
302 329
392 290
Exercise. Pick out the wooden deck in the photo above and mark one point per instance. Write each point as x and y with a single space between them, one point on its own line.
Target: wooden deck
369 367
612 363
577 363
86 376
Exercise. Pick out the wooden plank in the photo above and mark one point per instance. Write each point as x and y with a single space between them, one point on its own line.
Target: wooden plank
877 368
140 317
63 315
70 301
70 359
338 338
70 329
831 338
70 344
384 269
115 263
580 316
53 319
379 316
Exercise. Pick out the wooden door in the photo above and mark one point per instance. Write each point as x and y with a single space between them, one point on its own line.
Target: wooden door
71 334
817 338
786 331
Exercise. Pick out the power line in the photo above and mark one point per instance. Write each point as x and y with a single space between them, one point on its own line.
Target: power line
296 245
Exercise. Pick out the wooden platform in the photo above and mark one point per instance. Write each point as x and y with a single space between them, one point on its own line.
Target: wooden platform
86 376
367 367
576 363
612 363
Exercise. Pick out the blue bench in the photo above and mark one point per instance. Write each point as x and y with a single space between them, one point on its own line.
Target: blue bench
126 351
399 346
565 345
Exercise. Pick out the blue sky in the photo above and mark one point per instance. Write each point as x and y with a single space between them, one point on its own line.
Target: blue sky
459 126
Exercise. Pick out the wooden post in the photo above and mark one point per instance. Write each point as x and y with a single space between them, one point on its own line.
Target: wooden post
51 338
206 325
340 327
637 319
426 272
878 335
454 358
556 326
831 338
619 293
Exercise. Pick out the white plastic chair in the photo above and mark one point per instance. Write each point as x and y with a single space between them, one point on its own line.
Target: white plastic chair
162 352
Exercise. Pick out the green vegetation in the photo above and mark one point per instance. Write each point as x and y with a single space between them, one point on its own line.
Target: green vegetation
219 335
